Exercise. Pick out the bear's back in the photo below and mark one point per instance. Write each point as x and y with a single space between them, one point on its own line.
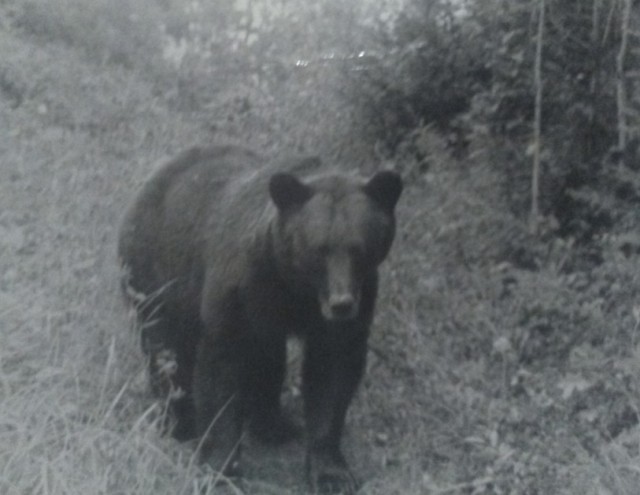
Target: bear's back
165 227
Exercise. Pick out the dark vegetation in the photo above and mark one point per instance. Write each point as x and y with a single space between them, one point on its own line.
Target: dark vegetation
504 357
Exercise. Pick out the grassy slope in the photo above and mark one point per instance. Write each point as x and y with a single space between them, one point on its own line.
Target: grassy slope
72 152
460 396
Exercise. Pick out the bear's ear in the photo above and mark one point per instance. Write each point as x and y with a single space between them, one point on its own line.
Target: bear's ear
287 191
385 188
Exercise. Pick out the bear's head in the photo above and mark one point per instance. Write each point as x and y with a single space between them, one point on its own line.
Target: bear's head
331 233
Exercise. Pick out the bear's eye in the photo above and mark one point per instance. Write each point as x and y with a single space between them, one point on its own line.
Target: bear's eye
356 252
322 250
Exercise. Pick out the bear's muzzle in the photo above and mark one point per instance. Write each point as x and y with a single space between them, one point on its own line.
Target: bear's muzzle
340 300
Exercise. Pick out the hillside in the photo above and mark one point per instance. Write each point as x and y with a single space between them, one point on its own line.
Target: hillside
499 362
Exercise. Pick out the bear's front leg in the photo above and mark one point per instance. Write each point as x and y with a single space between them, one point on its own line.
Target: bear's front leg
333 366
218 403
265 376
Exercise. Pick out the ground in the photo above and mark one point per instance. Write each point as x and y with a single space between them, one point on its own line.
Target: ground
485 376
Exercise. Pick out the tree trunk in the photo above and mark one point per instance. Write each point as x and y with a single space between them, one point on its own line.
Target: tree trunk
537 124
621 92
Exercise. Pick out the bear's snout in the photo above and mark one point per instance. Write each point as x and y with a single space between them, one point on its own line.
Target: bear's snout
342 307
340 297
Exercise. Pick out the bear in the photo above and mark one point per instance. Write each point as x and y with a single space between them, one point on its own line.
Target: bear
226 255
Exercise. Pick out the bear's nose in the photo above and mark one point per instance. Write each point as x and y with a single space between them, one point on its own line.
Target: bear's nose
343 306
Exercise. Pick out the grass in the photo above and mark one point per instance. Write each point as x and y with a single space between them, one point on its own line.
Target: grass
483 378
74 415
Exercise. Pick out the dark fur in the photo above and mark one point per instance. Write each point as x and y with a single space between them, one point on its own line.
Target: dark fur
239 254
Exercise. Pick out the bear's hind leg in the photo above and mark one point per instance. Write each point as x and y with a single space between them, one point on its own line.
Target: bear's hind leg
170 342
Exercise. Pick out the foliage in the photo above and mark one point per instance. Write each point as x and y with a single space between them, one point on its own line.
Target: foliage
424 69
469 70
